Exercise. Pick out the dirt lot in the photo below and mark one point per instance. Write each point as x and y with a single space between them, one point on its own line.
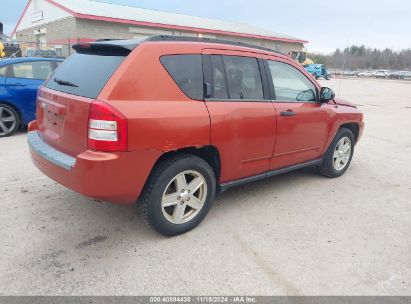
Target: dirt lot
296 234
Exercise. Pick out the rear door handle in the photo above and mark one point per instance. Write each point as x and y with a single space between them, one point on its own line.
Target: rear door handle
288 113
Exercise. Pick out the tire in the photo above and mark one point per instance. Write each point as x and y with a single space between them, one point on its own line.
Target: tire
179 217
330 167
328 77
9 120
315 76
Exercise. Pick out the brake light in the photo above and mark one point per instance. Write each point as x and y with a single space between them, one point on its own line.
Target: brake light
107 128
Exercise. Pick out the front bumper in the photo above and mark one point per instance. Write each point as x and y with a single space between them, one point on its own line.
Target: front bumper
114 177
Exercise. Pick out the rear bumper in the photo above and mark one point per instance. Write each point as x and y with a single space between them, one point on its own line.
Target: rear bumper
114 177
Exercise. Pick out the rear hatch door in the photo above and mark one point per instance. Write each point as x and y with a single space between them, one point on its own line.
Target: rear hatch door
63 103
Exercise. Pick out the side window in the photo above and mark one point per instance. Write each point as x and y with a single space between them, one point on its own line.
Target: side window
3 71
31 70
219 84
187 72
243 78
290 84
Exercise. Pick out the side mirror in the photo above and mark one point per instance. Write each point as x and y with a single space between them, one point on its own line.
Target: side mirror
326 95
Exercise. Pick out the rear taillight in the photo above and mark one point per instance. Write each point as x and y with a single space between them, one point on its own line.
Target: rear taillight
107 128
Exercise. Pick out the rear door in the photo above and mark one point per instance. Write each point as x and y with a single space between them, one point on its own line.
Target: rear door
22 82
243 120
303 123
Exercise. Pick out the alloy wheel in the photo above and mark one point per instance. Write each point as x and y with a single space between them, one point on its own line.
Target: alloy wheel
184 197
342 154
7 121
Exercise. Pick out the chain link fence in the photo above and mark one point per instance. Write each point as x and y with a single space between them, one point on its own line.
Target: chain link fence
50 50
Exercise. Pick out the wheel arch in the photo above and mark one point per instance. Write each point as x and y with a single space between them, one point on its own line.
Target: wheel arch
210 154
353 127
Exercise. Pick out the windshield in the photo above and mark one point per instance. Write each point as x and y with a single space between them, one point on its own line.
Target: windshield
84 74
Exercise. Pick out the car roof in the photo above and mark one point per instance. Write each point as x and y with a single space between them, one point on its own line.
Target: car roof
8 61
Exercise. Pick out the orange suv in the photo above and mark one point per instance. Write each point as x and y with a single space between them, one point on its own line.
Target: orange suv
170 121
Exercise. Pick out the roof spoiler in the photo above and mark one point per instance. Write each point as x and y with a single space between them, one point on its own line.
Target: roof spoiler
107 47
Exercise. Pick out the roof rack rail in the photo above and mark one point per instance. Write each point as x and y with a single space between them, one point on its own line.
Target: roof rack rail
210 40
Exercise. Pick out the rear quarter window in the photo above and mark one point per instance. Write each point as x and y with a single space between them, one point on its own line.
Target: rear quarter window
187 72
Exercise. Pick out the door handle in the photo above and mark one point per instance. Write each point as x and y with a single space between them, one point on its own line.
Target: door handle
17 85
288 113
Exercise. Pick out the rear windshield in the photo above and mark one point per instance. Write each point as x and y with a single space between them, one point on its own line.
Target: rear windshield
84 74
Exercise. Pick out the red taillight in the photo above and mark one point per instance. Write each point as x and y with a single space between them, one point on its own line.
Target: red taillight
107 128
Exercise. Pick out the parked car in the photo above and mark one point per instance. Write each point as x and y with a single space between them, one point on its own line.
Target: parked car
400 75
318 71
349 73
382 74
19 81
9 47
366 74
171 121
336 72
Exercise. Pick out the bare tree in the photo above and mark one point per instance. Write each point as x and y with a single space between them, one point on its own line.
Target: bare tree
360 57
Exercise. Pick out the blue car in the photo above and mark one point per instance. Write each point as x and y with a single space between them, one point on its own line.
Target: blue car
318 71
19 81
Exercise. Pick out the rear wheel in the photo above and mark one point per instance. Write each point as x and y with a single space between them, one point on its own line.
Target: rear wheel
328 77
178 194
339 154
9 120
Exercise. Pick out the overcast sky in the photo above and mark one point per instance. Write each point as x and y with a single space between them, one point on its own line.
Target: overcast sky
325 24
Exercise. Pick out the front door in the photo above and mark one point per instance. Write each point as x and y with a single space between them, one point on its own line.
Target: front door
303 123
243 120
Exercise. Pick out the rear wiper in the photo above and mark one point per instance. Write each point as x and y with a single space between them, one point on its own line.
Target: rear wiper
65 83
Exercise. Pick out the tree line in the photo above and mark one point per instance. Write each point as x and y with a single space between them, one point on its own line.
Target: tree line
360 57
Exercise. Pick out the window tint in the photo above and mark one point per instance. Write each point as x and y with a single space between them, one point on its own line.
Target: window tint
31 70
219 84
290 84
86 74
243 78
3 71
187 72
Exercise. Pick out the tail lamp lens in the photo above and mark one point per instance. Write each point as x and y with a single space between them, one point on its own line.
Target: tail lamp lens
107 130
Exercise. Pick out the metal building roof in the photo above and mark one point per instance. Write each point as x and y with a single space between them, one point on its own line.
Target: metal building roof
87 9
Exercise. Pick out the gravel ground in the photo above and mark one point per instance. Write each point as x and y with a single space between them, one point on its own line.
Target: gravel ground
295 234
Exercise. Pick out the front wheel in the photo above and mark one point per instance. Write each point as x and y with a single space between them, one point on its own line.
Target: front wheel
339 154
178 194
